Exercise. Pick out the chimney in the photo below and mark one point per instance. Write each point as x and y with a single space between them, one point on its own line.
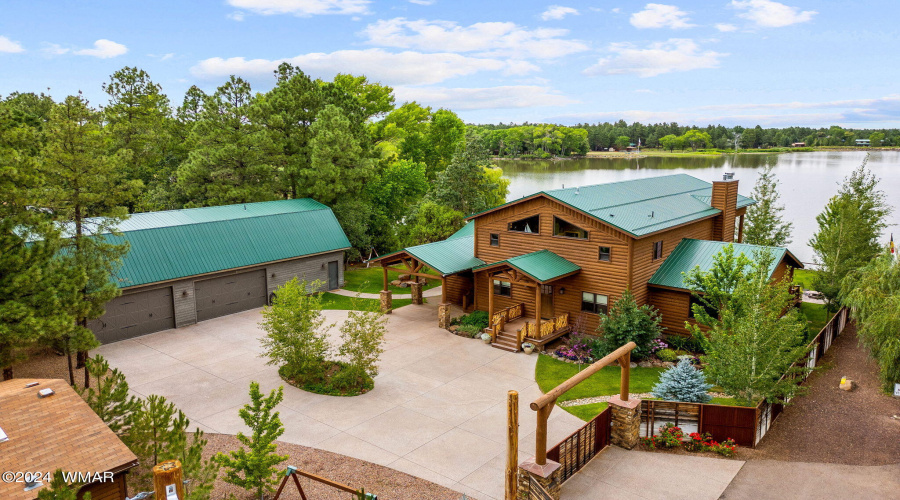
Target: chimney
724 197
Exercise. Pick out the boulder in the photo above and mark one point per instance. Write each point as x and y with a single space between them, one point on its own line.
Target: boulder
403 277
645 364
847 385
634 365
668 364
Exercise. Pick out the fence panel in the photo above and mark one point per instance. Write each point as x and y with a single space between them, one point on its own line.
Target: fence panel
724 422
575 451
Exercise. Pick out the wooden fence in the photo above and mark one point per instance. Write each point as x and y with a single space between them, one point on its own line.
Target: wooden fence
575 451
746 425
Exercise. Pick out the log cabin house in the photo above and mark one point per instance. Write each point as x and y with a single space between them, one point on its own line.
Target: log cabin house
550 262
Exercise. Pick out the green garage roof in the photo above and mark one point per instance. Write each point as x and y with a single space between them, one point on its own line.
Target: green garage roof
452 255
542 265
180 243
693 253
643 206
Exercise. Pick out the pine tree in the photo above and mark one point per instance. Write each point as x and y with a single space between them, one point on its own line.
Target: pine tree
86 191
253 468
628 322
59 489
109 397
765 223
683 382
155 425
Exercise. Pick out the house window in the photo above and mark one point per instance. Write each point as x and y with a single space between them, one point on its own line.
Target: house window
502 288
530 225
604 254
657 250
563 228
712 311
495 240
593 303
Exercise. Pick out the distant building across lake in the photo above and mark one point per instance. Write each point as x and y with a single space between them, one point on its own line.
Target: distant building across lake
798 145
862 142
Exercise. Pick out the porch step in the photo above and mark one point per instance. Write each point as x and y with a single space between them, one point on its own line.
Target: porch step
504 347
505 341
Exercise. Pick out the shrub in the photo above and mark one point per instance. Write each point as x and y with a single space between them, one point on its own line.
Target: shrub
628 322
478 319
683 382
691 344
576 348
670 436
470 331
363 342
657 345
296 334
666 355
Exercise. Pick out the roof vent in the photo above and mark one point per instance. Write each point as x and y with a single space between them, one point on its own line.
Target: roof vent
33 485
43 393
576 191
3 436
651 214
727 176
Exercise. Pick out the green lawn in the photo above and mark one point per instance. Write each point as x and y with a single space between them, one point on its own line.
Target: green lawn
817 315
804 277
586 412
369 280
335 301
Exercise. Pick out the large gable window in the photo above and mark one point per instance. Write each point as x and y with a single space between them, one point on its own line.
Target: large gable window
503 288
563 228
530 225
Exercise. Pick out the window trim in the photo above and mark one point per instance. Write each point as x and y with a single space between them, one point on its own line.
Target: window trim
595 303
509 224
587 234
498 285
608 254
494 237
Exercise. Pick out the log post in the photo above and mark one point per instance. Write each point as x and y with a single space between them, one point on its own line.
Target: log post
512 451
168 474
384 279
491 298
540 434
624 389
443 290
740 238
537 311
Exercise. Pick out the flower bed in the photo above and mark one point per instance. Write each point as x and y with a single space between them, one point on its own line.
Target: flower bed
672 437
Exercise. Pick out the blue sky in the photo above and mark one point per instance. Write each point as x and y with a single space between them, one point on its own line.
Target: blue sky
748 62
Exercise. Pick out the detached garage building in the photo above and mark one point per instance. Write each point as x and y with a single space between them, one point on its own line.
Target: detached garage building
191 265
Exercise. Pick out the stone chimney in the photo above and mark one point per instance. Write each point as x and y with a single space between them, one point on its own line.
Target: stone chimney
724 197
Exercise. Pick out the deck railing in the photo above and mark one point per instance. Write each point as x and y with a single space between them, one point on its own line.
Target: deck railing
504 316
548 328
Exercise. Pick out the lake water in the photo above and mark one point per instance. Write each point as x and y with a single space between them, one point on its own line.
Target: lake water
806 180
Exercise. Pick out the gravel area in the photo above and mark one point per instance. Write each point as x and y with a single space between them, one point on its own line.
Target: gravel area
829 425
385 482
45 363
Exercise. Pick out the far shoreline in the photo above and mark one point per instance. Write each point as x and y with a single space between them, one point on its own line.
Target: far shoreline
654 152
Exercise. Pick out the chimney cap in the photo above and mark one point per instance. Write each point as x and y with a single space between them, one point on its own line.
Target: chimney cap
727 176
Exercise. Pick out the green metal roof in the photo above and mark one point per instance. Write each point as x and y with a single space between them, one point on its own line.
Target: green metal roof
644 206
693 253
452 255
180 243
467 230
542 265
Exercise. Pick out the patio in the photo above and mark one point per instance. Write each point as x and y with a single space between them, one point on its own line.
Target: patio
438 410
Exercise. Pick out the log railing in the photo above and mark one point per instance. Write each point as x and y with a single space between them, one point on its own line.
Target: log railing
293 473
504 316
544 404
548 327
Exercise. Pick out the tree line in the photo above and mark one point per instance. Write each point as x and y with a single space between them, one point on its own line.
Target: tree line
70 172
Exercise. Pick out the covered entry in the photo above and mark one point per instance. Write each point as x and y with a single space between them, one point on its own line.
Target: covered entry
230 294
135 314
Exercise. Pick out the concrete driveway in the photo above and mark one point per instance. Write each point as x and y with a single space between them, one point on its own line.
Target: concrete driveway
438 410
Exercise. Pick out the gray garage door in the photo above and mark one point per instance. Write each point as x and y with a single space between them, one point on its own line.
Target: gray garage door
135 314
230 294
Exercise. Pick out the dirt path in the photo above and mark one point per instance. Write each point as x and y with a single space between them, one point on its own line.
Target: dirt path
833 426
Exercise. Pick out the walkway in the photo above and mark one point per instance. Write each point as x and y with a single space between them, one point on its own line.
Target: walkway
617 474
438 410
431 292
776 480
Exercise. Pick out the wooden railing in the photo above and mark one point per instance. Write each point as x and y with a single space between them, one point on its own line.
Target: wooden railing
548 327
293 473
575 451
504 316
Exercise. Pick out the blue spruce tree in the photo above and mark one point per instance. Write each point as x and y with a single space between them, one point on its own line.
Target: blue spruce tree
682 382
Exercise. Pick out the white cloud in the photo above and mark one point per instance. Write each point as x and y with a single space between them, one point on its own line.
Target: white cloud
675 54
770 14
236 16
302 7
492 39
10 46
104 49
423 2
725 27
502 97
54 49
404 68
162 57
557 12
616 10
657 15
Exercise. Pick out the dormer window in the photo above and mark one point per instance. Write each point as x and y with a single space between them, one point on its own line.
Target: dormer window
530 225
567 229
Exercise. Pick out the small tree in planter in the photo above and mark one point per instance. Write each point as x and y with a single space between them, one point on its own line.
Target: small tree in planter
682 382
628 322
296 334
363 342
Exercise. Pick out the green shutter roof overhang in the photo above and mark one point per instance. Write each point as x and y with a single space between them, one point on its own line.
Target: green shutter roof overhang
450 256
177 244
701 253
542 266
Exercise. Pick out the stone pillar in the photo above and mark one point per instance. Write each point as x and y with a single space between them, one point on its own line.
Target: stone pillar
626 422
386 302
416 290
538 482
444 316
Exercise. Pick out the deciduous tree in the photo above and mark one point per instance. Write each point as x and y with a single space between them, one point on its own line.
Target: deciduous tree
626 322
296 333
